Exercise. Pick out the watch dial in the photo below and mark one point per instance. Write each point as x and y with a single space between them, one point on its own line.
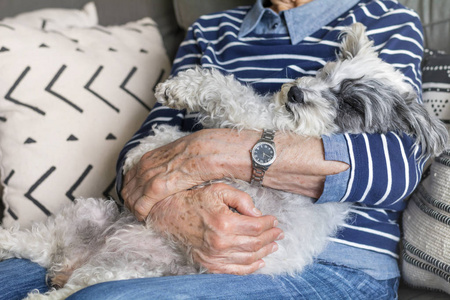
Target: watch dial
263 153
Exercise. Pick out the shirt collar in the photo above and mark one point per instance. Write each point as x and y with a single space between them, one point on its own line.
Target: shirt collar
301 21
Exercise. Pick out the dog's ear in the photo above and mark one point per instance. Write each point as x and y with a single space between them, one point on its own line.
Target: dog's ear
367 105
431 133
354 42
351 99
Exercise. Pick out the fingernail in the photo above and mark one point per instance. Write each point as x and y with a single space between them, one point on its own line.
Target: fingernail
262 265
280 237
257 211
274 248
275 223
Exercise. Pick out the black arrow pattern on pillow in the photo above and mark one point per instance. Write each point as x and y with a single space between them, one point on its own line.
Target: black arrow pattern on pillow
133 29
7 26
72 138
107 192
44 23
8 178
77 183
59 96
12 214
88 87
29 195
125 82
5 182
15 85
30 141
101 29
161 74
111 137
52 88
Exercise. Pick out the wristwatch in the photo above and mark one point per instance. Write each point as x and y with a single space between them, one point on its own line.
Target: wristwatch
263 155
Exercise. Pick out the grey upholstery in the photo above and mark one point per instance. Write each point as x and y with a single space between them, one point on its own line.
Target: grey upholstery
435 16
188 11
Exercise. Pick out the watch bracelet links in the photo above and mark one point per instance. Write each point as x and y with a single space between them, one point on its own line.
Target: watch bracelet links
258 173
258 176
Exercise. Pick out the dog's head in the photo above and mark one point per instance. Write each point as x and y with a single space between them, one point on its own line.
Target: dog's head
358 93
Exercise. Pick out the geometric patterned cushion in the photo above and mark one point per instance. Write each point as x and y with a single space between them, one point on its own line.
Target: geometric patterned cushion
436 85
70 99
426 220
426 230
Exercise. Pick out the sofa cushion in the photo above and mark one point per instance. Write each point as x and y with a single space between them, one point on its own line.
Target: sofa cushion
72 97
426 220
112 12
53 18
436 84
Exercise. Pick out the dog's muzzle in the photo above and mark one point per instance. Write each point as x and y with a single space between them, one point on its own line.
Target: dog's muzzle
295 95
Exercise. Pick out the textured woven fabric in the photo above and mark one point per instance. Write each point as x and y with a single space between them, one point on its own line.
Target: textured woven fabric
426 226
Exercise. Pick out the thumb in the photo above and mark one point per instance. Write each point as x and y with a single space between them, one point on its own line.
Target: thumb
240 201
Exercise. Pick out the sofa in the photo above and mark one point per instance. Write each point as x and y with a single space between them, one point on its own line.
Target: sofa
170 19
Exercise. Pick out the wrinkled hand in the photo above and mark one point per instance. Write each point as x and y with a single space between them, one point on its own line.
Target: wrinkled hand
222 241
187 162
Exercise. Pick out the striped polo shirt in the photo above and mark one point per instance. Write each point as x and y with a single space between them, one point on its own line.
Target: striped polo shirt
384 168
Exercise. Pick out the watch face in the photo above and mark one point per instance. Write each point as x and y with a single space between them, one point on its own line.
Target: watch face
263 154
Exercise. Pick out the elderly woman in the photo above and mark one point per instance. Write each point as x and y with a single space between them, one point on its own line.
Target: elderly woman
266 45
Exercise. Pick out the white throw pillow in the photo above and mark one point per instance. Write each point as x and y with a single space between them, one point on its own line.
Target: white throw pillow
57 18
70 99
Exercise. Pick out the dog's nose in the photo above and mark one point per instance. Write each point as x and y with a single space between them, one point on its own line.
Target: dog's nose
295 95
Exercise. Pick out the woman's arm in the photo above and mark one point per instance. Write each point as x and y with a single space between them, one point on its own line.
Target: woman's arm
212 154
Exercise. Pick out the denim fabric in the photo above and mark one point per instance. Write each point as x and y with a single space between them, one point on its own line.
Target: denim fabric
336 148
319 281
378 265
18 277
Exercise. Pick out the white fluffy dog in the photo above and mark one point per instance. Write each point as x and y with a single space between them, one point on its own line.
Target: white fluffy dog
91 241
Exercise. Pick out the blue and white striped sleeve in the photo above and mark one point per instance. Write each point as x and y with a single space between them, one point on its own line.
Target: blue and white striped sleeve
384 168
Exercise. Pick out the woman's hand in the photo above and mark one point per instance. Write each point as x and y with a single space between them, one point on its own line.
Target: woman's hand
212 154
192 160
221 240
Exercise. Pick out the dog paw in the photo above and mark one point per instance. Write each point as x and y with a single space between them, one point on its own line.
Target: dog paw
185 90
171 97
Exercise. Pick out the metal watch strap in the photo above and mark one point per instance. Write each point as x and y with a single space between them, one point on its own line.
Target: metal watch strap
259 171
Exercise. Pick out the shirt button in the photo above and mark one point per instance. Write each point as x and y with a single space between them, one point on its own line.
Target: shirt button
275 26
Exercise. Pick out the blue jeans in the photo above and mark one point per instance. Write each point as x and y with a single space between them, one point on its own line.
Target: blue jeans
20 276
318 281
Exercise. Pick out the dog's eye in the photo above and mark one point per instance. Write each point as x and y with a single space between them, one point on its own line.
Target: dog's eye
295 95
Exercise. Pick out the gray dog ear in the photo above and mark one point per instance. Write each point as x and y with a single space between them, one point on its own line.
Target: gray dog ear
355 41
368 105
431 133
